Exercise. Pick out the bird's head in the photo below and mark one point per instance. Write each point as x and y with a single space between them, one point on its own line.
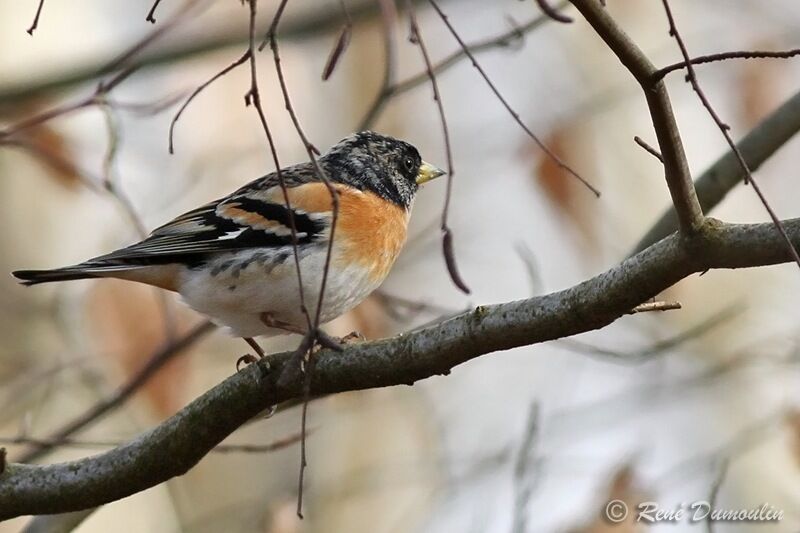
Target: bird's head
389 167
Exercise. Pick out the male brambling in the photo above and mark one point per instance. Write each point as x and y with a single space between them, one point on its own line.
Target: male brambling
233 259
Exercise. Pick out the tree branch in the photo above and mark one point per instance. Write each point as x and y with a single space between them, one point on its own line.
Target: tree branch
715 183
317 21
676 167
177 444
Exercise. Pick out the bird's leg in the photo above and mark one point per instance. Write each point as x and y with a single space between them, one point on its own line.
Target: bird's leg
256 348
248 359
319 336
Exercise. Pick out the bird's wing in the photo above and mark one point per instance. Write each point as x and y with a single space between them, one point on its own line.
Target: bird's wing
254 216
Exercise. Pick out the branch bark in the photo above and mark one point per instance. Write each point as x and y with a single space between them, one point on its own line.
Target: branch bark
176 445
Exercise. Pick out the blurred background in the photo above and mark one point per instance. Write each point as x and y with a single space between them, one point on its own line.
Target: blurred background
674 407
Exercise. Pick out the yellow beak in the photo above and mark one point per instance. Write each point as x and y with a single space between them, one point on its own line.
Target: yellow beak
428 172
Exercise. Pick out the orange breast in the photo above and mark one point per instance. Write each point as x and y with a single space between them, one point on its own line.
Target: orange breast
370 230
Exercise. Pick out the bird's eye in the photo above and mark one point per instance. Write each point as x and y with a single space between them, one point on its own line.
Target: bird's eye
408 162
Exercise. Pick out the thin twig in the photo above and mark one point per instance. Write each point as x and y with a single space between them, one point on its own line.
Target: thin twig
312 152
388 18
711 58
35 22
123 67
153 365
132 52
503 40
524 480
447 234
112 186
557 160
151 14
725 129
304 350
649 149
96 98
715 488
658 348
200 89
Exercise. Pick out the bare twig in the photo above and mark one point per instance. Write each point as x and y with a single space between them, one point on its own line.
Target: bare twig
557 160
503 40
304 352
111 184
725 129
525 480
96 98
387 92
200 89
388 18
711 58
153 364
317 21
35 22
655 306
725 464
121 66
447 234
151 14
649 149
657 348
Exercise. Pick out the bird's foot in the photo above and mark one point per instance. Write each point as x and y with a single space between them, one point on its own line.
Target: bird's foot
246 360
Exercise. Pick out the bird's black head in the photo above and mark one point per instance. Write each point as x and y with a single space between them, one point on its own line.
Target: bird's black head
390 168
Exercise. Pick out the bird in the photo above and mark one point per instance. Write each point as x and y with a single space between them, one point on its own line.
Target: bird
236 259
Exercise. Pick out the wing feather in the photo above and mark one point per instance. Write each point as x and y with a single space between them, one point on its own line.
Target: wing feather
253 216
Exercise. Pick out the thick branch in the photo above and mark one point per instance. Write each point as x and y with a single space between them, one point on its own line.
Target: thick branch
676 167
715 183
179 443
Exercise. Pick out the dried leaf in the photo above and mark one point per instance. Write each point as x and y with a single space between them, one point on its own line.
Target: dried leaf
623 495
758 85
450 260
337 51
565 193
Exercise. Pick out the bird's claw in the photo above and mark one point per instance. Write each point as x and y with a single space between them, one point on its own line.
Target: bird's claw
246 360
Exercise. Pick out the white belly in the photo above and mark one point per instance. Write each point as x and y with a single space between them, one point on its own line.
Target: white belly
235 292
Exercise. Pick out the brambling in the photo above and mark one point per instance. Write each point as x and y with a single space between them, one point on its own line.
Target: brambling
233 259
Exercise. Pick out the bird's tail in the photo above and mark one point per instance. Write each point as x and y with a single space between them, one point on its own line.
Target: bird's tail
81 271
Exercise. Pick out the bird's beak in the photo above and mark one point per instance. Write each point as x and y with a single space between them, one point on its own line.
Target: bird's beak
428 172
